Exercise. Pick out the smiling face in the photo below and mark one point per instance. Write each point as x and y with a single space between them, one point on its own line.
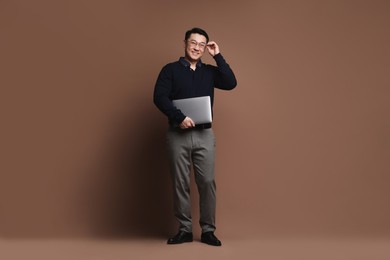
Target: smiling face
194 47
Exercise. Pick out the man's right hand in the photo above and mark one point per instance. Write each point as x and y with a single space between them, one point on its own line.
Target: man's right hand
187 123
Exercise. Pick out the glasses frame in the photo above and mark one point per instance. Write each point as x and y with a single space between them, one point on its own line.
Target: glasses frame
193 43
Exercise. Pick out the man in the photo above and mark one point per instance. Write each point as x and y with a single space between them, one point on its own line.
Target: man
187 142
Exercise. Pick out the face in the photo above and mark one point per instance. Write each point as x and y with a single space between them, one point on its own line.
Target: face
195 47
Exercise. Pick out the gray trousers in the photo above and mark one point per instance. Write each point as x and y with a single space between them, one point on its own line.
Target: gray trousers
196 146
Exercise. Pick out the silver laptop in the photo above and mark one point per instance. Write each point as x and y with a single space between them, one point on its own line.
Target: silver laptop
198 109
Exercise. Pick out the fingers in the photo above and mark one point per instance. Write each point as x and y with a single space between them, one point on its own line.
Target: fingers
187 123
212 48
212 45
192 123
183 125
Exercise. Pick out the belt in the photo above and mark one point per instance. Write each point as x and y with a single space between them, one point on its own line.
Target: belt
198 126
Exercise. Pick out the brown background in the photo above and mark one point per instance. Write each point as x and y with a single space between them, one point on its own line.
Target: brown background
303 141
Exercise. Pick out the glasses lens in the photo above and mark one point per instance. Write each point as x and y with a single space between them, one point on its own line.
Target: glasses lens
201 45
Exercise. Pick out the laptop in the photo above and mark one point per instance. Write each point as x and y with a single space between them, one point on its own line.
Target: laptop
198 109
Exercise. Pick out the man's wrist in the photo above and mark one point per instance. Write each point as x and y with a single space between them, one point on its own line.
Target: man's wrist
217 57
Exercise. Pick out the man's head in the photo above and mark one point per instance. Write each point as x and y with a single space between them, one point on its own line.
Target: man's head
195 42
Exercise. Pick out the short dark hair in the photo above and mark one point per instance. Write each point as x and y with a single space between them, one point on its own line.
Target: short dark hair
196 30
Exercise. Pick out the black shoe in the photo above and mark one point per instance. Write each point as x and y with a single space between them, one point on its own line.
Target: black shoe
181 237
210 239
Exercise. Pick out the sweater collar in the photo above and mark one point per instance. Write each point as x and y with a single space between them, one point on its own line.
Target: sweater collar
186 64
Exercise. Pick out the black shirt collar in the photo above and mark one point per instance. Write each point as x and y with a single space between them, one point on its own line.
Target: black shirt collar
186 64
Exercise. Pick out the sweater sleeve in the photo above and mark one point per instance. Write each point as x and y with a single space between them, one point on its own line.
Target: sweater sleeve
224 76
161 96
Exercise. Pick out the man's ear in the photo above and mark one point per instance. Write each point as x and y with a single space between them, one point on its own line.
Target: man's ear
184 44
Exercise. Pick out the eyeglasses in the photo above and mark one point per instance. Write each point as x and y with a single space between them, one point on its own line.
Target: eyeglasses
193 44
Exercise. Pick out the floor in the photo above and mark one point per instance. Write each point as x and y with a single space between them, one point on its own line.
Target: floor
241 249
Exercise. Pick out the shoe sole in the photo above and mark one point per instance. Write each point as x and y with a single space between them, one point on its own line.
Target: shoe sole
210 243
185 241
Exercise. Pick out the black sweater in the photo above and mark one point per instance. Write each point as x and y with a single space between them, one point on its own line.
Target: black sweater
177 80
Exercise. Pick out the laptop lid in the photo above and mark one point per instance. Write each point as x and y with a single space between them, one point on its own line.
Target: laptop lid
198 109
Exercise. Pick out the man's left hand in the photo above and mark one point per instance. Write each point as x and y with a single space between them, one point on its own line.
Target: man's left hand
212 48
